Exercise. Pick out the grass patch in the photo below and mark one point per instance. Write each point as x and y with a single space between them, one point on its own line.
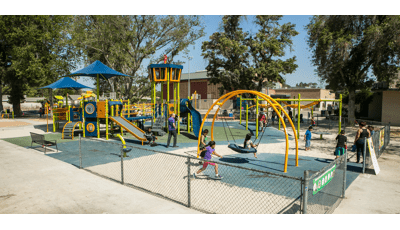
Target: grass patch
26 141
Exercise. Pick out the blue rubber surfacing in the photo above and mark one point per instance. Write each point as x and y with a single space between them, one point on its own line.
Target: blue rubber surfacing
99 153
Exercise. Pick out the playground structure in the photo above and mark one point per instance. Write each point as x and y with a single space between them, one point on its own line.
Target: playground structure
293 106
275 106
166 74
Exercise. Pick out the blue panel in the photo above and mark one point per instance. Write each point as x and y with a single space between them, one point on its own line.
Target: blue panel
165 66
138 118
94 114
111 103
91 134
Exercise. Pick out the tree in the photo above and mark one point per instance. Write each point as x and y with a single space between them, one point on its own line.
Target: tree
239 60
34 52
124 42
346 48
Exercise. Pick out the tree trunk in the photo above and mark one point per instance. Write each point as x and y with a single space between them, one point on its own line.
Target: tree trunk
1 95
17 108
352 107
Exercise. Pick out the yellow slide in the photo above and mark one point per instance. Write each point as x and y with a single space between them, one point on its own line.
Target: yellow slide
129 127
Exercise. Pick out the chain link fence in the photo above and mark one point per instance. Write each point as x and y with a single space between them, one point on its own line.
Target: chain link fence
380 140
325 189
241 191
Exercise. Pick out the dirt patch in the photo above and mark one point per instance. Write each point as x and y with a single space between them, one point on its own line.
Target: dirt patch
4 124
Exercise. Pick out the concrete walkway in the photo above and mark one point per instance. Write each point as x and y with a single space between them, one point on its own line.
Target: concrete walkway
376 194
33 183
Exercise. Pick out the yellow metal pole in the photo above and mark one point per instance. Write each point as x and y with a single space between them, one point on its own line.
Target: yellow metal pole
83 118
298 118
179 108
167 101
240 110
107 118
162 98
257 117
280 111
129 109
247 117
112 122
54 123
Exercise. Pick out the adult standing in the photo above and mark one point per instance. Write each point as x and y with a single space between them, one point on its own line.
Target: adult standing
290 114
273 116
362 133
172 130
329 109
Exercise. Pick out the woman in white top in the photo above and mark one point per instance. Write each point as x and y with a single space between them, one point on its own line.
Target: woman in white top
248 143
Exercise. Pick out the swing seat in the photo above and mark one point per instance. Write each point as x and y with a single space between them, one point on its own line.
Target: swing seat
240 149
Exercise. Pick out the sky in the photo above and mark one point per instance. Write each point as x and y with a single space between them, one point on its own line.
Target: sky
303 73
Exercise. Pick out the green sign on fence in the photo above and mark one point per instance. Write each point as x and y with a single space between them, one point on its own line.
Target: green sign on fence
324 179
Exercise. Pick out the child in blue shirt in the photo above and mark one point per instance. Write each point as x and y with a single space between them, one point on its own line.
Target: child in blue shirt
307 138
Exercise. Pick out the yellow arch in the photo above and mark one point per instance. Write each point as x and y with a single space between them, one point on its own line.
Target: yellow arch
267 98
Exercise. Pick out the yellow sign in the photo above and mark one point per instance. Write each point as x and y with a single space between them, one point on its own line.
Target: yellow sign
382 138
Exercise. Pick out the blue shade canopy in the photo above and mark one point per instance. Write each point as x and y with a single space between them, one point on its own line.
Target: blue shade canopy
97 68
66 83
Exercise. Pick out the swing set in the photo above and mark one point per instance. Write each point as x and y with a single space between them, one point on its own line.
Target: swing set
275 106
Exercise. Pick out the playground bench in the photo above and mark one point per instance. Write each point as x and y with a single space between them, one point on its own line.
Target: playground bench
39 139
226 118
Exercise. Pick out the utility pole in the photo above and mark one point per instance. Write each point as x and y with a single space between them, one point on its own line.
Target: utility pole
189 58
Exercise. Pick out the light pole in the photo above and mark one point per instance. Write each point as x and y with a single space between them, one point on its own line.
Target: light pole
189 58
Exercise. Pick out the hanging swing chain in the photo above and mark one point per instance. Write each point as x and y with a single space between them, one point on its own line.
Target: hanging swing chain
223 124
259 140
227 126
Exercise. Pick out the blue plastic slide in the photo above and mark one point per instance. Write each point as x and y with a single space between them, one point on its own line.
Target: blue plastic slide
196 116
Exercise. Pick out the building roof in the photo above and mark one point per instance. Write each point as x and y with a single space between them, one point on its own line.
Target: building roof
202 74
74 97
34 99
4 98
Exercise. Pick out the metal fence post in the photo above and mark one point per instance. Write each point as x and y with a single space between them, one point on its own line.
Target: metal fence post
305 191
364 154
80 152
344 175
188 175
122 166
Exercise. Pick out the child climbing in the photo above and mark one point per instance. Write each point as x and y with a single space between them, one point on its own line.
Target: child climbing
210 149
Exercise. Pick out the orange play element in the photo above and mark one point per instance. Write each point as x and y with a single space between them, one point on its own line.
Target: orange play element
101 109
159 74
303 106
175 75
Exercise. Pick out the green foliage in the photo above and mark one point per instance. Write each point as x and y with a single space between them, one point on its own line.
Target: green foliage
124 42
34 52
346 47
238 60
304 85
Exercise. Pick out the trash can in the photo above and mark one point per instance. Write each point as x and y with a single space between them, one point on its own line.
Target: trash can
230 114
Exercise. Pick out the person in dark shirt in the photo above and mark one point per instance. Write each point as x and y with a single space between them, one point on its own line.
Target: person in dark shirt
341 145
150 136
362 133
172 130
